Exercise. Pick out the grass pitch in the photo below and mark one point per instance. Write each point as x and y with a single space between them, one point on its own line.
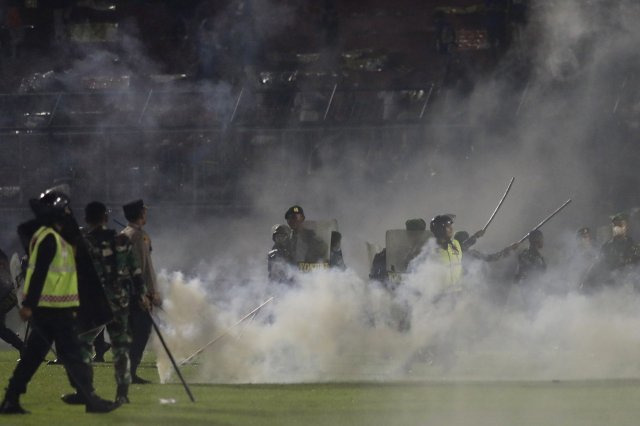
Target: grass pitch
477 404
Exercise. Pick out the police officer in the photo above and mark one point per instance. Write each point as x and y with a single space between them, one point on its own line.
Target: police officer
531 263
139 318
315 247
51 304
280 257
8 300
118 272
620 250
448 251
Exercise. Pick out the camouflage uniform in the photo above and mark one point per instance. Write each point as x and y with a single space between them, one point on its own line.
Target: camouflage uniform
530 264
620 252
118 271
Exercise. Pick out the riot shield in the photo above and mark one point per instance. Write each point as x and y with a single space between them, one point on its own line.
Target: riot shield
402 247
312 244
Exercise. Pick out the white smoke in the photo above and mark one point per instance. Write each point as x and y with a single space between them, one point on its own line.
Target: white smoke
336 326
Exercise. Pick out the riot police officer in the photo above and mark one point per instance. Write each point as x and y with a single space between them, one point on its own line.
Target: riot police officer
531 263
448 252
51 304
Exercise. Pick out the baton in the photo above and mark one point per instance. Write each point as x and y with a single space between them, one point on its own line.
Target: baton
119 223
545 220
173 361
199 351
499 204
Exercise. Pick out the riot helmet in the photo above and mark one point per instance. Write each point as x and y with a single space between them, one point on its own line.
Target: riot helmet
439 225
280 233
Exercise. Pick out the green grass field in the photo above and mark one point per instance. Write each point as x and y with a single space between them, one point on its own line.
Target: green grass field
540 403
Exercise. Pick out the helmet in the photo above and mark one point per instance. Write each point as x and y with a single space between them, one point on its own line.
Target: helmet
279 229
439 223
55 200
536 234
50 205
280 232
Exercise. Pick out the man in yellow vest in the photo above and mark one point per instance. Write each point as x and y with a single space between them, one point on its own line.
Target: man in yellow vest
51 303
448 252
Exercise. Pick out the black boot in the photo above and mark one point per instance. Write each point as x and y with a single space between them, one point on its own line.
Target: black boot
135 379
99 356
122 394
11 404
99 405
73 399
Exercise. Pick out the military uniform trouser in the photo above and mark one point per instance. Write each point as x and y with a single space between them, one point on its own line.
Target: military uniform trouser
120 336
140 323
8 335
50 325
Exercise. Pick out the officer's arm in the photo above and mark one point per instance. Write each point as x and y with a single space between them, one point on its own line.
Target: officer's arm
46 253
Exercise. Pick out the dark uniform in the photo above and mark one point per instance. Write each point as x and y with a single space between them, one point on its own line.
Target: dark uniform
280 257
620 252
8 301
530 264
616 257
336 260
120 275
51 302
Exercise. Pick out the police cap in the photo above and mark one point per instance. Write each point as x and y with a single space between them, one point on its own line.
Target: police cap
293 210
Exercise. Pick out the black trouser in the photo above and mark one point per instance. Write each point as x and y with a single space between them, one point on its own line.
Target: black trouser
8 335
140 323
50 325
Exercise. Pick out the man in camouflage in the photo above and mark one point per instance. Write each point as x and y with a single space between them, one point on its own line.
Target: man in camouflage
620 251
120 275
531 263
616 257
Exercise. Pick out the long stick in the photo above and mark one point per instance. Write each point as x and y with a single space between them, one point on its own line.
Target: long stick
199 351
173 361
545 220
499 204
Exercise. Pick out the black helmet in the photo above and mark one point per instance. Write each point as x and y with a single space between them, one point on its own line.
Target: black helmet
536 234
50 205
282 231
55 200
439 223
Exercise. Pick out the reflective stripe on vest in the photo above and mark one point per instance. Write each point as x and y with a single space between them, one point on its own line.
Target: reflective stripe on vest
60 288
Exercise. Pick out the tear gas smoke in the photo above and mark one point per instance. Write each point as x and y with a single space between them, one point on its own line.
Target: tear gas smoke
340 326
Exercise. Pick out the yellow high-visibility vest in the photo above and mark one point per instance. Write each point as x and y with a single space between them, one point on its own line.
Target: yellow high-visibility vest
451 259
61 285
